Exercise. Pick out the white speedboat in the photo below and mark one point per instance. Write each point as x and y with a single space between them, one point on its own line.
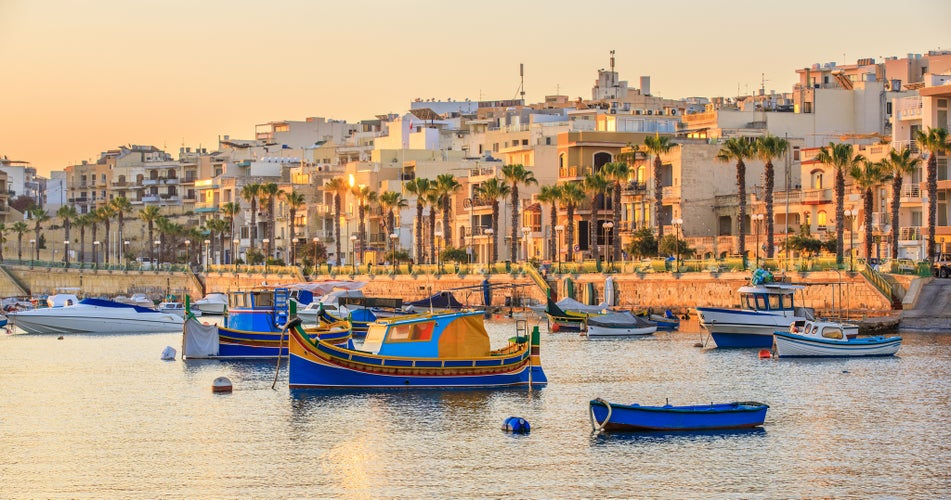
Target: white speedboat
212 303
96 316
619 324
137 299
830 339
764 309
176 308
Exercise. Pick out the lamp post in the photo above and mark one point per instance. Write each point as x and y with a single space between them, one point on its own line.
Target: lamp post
525 233
488 232
438 235
315 240
95 254
678 223
32 254
353 261
267 243
395 238
188 253
757 218
608 247
53 262
158 251
850 214
125 252
66 253
234 253
294 251
558 229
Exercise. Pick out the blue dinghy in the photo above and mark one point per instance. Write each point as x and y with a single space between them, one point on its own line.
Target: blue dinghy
618 417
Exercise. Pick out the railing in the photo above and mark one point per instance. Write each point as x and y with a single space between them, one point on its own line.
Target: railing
910 233
816 195
537 278
877 280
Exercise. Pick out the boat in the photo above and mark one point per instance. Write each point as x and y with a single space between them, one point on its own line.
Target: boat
137 299
436 351
214 303
618 324
177 308
667 322
765 307
439 302
607 416
560 320
570 305
829 339
95 316
254 328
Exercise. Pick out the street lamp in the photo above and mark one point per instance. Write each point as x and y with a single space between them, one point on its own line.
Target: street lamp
66 253
125 252
850 214
353 261
488 232
188 253
234 253
678 223
267 243
95 254
294 251
315 240
158 248
438 235
558 229
608 247
395 241
757 218
32 254
525 232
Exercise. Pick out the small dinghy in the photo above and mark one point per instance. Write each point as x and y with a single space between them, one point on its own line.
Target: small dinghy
607 416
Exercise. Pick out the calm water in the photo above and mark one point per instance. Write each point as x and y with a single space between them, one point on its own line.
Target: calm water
103 416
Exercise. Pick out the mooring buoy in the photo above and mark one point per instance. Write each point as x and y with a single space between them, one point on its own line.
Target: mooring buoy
221 384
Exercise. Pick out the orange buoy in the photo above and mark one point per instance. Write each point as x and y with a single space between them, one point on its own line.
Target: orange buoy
765 354
555 327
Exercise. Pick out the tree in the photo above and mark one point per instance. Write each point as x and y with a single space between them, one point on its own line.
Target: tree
250 193
268 194
39 216
571 196
446 187
20 227
868 175
82 222
420 187
491 191
594 186
803 242
67 213
295 201
738 149
149 215
551 195
390 203
3 238
658 145
841 158
122 206
105 214
671 244
898 163
616 172
766 149
643 244
432 201
365 198
230 211
216 228
338 186
935 141
516 174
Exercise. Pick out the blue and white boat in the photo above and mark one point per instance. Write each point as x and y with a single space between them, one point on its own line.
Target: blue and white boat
95 316
764 309
433 351
830 340
607 416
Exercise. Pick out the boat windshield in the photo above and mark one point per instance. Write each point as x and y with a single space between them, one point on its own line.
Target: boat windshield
832 332
767 301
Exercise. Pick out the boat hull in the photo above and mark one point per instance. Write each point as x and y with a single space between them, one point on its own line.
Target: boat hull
677 418
619 331
202 341
735 328
790 345
82 320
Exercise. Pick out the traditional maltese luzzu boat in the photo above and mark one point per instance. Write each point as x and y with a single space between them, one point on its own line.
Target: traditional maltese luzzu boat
450 350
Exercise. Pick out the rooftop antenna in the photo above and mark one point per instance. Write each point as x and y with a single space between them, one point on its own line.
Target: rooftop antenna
521 85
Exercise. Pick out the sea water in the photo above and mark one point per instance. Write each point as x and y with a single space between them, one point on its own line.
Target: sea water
103 416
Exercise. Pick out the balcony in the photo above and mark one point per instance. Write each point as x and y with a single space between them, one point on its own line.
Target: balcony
634 187
911 194
816 196
908 108
573 171
912 233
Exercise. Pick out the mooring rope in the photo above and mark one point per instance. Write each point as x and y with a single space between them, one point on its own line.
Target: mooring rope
599 427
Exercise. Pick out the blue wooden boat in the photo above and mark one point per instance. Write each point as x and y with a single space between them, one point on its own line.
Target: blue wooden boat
253 329
446 350
619 417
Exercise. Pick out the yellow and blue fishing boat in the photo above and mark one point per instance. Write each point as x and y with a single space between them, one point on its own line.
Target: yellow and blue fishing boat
448 350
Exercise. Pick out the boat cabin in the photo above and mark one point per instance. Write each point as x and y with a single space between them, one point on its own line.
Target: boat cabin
828 331
774 299
258 309
446 336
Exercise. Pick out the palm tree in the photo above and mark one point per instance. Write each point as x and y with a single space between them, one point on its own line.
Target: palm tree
294 202
898 164
446 186
594 185
432 201
67 213
230 211
365 197
20 227
216 227
658 145
268 194
618 172
338 186
149 215
767 148
390 201
420 187
551 195
935 140
3 238
842 158
39 216
867 175
491 191
571 196
251 192
738 149
167 231
105 214
122 206
82 221
516 174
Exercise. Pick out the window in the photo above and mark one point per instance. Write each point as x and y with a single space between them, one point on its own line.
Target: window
821 219
414 332
831 332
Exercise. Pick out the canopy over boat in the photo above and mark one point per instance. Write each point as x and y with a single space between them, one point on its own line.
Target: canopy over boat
441 300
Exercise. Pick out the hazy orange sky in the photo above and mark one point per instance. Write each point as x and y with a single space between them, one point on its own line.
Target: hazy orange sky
80 77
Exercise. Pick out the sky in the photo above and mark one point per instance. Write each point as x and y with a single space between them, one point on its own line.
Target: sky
81 77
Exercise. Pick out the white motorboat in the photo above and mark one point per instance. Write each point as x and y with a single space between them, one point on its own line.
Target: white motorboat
619 324
96 316
830 339
176 308
212 304
764 309
137 299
